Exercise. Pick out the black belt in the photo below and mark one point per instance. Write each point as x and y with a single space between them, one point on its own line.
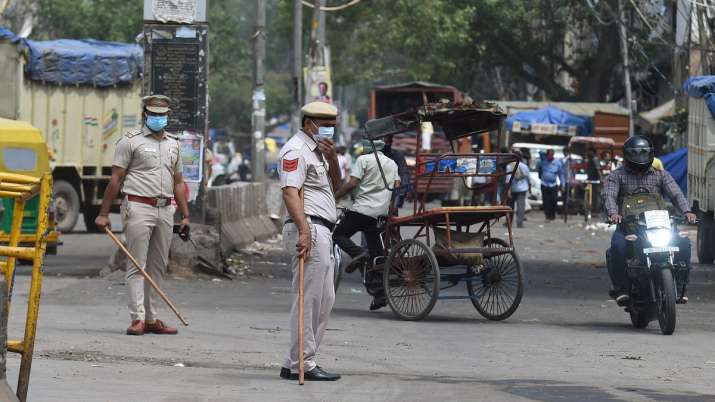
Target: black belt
318 221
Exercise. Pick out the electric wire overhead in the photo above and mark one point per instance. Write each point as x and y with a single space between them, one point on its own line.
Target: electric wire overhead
333 8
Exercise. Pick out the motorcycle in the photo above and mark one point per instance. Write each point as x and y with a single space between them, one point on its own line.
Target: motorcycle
657 281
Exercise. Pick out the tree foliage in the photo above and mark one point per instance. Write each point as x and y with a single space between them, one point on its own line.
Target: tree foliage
115 20
551 49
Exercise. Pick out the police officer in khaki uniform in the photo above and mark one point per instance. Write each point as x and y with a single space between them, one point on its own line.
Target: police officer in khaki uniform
309 173
147 170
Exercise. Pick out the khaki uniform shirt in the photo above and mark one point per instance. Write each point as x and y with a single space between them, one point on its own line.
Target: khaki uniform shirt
150 164
303 166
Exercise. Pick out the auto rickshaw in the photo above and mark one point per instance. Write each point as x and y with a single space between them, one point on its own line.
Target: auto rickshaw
23 150
585 191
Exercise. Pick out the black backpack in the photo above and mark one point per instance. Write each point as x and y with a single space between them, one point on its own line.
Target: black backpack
636 203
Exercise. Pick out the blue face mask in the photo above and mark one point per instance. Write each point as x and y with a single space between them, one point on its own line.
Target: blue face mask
157 123
324 133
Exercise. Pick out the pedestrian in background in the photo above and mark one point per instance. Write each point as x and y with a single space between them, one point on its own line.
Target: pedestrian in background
520 185
147 171
344 162
553 179
309 172
594 174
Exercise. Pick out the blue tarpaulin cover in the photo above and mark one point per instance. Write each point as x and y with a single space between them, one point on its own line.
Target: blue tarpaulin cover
702 87
551 115
81 62
676 163
7 34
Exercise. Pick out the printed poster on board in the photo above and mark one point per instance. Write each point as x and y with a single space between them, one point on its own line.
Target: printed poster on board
182 11
192 156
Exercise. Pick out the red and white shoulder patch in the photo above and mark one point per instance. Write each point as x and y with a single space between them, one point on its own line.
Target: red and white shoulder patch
290 165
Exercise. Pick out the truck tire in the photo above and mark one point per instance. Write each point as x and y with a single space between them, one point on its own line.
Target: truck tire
90 213
705 239
66 205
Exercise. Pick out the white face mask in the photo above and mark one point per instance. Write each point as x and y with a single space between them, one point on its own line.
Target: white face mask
324 133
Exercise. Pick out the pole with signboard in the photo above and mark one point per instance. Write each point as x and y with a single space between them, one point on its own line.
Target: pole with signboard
258 164
175 37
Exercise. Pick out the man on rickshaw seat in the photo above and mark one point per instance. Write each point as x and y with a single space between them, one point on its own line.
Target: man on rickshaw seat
371 201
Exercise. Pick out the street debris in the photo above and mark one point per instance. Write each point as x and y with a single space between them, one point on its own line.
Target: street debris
629 357
600 226
269 330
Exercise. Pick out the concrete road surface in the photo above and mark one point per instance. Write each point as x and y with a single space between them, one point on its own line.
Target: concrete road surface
566 342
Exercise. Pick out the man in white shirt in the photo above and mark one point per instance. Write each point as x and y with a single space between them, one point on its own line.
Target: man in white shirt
372 200
343 162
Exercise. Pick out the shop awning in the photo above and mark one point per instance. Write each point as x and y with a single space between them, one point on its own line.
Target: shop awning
656 115
549 120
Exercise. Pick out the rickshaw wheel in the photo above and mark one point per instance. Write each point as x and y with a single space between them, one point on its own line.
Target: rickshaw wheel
411 280
496 291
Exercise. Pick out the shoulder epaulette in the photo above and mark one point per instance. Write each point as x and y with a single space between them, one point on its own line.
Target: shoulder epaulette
133 133
293 144
171 135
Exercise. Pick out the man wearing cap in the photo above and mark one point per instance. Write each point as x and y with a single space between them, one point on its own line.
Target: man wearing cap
370 183
309 173
147 172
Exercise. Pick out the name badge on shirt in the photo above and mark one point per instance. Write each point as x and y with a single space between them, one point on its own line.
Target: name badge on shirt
149 149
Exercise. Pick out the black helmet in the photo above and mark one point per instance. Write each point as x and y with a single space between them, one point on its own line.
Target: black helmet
638 153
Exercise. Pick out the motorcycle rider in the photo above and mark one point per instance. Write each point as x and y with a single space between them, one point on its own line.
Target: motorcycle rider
637 172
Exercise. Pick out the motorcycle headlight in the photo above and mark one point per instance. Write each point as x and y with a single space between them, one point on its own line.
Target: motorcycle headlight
659 237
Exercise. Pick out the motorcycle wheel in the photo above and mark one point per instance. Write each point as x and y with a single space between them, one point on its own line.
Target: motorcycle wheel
666 302
639 319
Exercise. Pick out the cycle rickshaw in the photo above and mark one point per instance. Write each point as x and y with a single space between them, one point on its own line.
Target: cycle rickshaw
449 245
587 190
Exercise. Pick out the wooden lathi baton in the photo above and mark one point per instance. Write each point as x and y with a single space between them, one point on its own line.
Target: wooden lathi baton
301 308
146 276
301 320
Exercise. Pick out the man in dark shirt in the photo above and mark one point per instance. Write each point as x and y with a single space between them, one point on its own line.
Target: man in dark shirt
593 171
402 170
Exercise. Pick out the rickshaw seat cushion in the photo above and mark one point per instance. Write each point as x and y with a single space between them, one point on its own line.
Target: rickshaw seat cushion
487 209
459 240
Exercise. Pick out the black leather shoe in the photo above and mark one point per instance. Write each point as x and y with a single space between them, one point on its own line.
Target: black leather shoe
287 375
378 303
317 374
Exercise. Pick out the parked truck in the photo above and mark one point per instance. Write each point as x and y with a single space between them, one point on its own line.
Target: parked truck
701 161
82 95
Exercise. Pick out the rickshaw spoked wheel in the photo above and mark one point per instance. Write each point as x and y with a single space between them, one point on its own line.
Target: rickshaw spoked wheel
497 289
411 280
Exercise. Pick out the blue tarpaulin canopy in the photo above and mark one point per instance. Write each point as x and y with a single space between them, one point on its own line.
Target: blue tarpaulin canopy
81 62
7 34
702 87
553 116
676 163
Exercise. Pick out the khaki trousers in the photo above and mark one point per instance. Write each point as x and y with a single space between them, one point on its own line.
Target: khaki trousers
148 231
319 293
